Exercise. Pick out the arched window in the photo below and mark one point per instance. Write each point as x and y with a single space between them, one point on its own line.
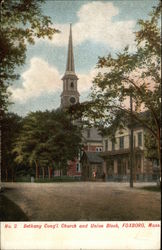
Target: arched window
72 85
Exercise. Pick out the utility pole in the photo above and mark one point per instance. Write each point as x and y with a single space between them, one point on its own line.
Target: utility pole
131 142
1 7
160 158
0 150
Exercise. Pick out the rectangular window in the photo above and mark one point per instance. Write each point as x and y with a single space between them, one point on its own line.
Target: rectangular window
139 139
78 167
99 149
121 142
106 145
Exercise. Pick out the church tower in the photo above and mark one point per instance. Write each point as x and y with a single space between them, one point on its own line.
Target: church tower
70 94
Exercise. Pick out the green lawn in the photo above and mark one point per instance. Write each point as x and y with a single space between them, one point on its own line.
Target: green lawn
152 188
47 180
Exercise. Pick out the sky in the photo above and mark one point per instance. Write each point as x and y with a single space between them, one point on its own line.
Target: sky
98 27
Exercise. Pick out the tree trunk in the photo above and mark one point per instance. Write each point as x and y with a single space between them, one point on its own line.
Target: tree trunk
36 170
60 169
43 172
6 172
49 173
135 173
0 152
159 150
12 174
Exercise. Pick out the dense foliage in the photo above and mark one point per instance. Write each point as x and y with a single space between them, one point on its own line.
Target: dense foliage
11 127
129 75
21 22
48 140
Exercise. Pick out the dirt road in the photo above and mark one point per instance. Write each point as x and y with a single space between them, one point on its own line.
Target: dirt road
90 201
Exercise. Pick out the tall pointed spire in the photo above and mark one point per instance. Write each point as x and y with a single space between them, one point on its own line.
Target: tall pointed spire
70 94
70 57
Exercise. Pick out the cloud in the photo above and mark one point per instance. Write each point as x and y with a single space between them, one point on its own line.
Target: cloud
39 79
85 81
42 79
95 23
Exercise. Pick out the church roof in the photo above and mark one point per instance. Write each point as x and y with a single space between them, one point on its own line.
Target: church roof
70 58
93 157
91 134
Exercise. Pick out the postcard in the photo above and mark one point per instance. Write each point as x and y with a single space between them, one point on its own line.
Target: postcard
80 141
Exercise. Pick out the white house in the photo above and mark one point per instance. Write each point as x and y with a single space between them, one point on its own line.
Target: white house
116 155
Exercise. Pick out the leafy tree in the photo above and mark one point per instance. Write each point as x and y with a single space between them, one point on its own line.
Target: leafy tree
135 75
11 126
48 139
151 146
21 22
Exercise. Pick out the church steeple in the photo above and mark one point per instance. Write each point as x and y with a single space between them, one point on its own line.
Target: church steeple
70 94
70 57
